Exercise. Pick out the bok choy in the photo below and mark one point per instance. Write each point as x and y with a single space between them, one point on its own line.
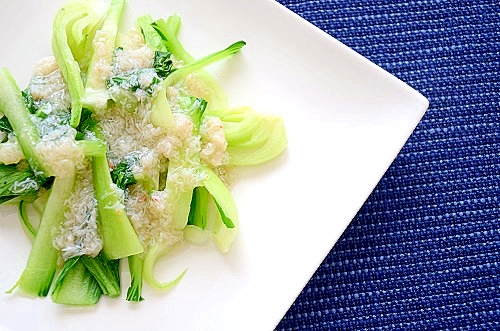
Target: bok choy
122 143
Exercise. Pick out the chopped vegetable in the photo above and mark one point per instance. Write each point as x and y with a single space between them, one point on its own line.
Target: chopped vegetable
38 274
119 237
105 272
75 285
13 107
17 180
74 29
95 95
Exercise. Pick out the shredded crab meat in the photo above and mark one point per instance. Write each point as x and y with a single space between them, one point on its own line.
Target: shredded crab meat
78 235
10 151
53 151
101 52
134 54
213 142
150 216
48 84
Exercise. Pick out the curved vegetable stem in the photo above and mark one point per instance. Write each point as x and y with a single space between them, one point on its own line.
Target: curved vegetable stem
25 222
150 260
203 62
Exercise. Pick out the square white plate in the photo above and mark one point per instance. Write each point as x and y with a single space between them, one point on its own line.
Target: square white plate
346 119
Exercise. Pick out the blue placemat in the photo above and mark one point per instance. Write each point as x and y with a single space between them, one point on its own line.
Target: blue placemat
424 251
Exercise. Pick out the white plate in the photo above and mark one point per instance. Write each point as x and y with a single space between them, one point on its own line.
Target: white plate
346 119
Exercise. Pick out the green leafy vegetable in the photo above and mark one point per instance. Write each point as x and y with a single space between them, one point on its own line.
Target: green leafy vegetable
105 272
29 102
224 232
5 126
75 285
17 181
159 103
197 65
131 80
122 175
198 211
152 38
87 124
161 113
194 108
168 31
162 63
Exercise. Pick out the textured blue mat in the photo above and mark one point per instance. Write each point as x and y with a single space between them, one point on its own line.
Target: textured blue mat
424 251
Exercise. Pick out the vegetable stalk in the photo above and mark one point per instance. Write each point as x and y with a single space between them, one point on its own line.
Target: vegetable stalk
119 237
74 25
41 266
95 95
13 107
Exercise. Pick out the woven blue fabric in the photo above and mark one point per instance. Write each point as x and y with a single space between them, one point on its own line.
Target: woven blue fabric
423 253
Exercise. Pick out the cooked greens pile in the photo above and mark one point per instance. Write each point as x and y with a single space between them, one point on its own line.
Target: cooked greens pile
124 146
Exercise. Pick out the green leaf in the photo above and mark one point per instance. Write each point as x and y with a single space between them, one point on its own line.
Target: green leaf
105 272
17 181
197 65
165 36
225 231
95 95
13 107
151 36
87 124
198 211
194 108
75 285
5 126
122 174
29 102
168 31
162 63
